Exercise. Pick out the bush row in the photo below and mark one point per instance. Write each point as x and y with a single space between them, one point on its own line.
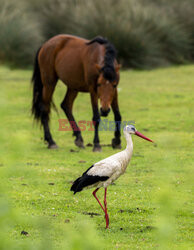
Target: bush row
146 33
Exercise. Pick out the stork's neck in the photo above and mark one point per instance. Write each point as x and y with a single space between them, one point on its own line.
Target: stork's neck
129 147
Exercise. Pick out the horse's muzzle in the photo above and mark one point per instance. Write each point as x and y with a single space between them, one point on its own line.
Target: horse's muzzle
104 112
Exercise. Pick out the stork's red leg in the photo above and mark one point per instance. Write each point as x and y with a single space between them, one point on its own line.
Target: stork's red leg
105 208
94 194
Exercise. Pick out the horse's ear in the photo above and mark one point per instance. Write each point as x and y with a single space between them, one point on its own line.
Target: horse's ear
98 67
118 67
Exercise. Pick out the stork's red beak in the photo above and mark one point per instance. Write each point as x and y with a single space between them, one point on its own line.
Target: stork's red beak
142 136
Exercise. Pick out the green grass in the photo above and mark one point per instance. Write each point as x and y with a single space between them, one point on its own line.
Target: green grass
150 206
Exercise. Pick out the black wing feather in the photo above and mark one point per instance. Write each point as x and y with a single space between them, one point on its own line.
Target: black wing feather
86 180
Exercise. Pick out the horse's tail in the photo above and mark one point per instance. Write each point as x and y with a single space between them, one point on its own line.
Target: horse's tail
37 89
37 100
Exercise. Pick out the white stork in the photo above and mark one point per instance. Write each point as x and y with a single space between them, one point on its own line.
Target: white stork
106 171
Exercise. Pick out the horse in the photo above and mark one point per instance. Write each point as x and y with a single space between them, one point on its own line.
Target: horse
84 66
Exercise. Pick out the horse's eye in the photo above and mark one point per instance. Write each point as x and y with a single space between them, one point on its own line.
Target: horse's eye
114 86
98 85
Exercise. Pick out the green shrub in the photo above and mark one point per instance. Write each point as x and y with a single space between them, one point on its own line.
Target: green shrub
115 21
54 16
19 36
182 13
142 40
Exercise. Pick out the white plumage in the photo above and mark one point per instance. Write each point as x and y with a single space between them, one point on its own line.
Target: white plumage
114 165
106 171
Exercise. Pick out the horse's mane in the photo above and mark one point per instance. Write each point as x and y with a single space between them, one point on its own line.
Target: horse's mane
110 55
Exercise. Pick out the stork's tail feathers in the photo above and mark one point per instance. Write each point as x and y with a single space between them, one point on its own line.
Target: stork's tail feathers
86 180
75 185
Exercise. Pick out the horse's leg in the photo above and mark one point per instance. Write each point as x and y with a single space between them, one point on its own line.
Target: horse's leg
96 121
116 141
47 98
67 105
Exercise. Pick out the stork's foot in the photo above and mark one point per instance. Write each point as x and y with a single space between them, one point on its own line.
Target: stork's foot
97 148
116 143
52 146
79 142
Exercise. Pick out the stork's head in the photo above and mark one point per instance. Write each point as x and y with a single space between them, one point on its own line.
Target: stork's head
130 129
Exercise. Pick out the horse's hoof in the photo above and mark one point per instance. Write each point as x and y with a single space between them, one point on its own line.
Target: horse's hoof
52 146
116 144
97 149
79 143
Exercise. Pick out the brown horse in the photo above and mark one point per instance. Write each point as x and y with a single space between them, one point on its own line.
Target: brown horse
84 66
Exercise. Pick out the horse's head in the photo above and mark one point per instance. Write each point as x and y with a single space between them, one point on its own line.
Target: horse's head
106 86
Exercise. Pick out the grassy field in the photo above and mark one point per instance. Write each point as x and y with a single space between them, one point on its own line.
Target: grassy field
150 207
